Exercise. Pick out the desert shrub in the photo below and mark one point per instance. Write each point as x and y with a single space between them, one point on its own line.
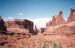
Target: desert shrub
55 45
49 44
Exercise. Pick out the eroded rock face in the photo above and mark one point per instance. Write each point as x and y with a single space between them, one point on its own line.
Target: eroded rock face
49 24
2 25
64 29
68 28
58 25
56 20
72 16
10 24
22 23
28 24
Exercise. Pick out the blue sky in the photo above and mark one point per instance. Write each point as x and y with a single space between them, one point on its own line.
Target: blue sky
35 8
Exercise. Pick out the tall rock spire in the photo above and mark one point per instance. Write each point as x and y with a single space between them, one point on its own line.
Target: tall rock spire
60 13
72 16
58 19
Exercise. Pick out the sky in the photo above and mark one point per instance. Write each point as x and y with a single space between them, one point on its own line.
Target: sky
39 11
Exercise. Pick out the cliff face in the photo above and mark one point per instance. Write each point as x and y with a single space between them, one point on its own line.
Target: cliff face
18 24
72 16
59 26
10 24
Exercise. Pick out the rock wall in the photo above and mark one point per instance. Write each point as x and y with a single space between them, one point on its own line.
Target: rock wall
22 23
27 24
10 24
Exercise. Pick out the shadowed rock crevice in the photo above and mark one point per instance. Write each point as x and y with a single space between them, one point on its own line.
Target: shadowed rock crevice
2 25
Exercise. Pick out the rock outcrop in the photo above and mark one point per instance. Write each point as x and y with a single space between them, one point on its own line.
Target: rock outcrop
56 20
24 23
10 24
49 24
65 29
21 23
68 28
59 26
72 16
2 25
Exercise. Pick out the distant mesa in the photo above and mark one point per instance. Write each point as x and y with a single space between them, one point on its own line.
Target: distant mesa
22 23
17 26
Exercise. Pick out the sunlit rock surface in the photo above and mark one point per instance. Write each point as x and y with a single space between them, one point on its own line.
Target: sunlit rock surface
72 16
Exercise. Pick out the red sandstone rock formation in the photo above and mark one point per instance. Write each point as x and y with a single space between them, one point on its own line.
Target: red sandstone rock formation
57 20
72 16
58 25
68 28
22 24
10 24
64 29
49 24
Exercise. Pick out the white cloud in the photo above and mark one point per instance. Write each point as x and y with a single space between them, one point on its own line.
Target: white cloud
10 18
40 22
20 14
